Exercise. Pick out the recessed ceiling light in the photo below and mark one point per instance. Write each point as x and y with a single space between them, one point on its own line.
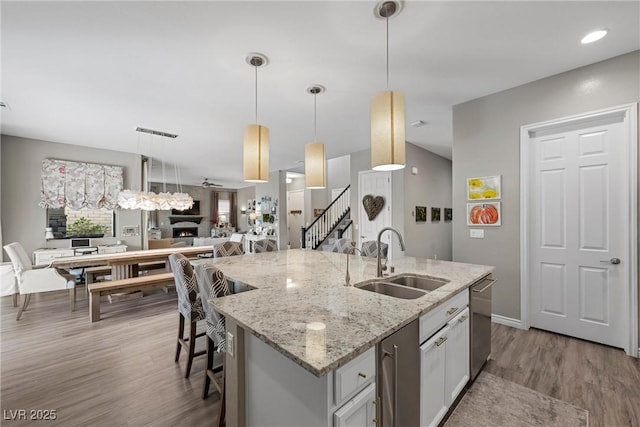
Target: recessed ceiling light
593 36
4 105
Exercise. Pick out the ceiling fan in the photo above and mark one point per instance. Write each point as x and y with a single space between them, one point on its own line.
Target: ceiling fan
207 184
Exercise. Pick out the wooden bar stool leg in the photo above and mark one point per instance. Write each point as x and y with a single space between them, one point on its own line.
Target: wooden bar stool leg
223 397
192 347
180 336
207 378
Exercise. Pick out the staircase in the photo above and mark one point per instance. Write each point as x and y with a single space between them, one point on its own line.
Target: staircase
333 223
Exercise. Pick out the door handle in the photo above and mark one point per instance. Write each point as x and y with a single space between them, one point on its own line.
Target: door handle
612 261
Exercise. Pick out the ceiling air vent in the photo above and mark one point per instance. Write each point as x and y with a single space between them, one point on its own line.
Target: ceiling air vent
4 105
156 132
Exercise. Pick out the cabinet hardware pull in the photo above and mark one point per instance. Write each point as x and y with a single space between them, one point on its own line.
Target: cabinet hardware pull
463 318
441 340
360 374
452 310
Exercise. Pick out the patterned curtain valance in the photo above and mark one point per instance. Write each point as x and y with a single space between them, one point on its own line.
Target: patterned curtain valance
80 185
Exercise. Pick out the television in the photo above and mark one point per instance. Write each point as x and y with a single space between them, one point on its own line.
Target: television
194 210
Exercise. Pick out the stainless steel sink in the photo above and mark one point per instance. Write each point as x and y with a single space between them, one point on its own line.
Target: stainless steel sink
392 290
420 282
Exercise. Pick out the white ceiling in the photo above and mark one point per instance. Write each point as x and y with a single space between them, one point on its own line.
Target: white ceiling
88 73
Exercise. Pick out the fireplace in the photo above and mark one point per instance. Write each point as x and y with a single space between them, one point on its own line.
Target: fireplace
185 232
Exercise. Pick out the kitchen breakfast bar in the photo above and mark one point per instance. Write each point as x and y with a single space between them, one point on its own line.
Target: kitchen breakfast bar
302 341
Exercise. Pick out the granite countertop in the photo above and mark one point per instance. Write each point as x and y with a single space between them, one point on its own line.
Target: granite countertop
297 287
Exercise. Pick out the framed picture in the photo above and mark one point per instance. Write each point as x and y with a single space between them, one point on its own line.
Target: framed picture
421 213
435 214
484 214
317 212
448 214
484 188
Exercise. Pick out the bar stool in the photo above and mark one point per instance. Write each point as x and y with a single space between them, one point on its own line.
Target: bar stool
189 307
213 284
265 245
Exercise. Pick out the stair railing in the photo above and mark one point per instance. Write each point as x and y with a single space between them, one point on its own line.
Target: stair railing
325 223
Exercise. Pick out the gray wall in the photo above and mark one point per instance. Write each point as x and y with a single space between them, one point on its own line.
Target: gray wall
486 142
338 174
22 219
431 187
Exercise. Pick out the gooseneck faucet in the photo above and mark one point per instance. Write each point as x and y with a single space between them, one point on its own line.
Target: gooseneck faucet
380 269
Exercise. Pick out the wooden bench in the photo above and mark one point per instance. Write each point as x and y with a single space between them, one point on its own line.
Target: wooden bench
96 290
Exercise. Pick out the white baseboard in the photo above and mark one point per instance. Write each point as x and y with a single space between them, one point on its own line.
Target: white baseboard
507 321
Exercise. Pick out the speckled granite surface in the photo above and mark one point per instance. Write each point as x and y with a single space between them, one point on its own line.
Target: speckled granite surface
302 308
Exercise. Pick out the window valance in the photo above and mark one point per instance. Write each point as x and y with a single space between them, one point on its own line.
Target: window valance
80 185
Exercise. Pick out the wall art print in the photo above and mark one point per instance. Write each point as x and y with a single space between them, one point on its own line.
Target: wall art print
484 188
448 214
421 213
435 214
484 214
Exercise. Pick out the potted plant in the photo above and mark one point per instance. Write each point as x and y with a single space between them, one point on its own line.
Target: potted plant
84 227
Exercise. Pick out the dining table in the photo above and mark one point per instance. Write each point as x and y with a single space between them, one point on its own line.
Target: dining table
126 264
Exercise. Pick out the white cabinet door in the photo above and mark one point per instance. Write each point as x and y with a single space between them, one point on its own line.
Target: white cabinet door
457 356
359 411
432 379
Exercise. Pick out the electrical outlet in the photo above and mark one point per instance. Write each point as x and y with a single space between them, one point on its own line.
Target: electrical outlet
231 344
476 233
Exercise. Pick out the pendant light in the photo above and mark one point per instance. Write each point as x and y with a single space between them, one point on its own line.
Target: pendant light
387 114
256 137
315 162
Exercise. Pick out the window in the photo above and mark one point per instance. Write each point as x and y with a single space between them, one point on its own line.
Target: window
83 221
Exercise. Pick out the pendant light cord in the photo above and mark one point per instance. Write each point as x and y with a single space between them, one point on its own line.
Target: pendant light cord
387 19
315 117
256 67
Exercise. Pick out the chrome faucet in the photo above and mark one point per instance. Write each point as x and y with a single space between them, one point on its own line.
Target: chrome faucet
378 244
347 278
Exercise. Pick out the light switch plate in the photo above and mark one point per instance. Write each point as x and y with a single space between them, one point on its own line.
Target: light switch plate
231 344
476 233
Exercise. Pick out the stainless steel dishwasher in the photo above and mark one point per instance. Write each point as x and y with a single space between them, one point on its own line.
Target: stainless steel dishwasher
480 308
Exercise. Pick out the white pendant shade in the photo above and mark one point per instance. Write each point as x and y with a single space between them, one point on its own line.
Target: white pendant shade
256 153
315 165
387 131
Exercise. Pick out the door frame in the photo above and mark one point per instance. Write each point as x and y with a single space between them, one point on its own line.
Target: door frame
300 190
630 122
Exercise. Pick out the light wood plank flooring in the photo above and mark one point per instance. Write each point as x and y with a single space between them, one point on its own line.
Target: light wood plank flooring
116 372
120 371
602 380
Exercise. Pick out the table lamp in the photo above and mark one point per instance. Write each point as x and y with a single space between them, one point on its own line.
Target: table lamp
48 235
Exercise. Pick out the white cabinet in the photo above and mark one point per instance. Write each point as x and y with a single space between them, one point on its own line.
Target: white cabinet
457 356
359 411
45 256
444 360
432 379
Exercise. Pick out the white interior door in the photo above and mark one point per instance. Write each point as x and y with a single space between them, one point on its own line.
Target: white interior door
579 227
295 217
375 184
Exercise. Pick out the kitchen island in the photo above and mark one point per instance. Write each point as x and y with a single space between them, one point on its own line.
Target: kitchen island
301 309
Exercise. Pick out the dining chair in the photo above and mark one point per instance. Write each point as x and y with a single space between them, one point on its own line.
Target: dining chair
35 279
212 285
265 245
189 307
343 246
370 249
228 248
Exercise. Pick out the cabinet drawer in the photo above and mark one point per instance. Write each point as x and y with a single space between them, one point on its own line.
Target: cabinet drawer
432 321
352 377
45 257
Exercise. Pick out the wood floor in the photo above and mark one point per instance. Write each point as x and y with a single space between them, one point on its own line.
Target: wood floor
120 371
116 372
602 380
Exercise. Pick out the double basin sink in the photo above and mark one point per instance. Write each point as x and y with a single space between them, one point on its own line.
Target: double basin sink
406 286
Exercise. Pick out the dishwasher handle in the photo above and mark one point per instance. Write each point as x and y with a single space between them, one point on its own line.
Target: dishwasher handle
479 291
394 356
